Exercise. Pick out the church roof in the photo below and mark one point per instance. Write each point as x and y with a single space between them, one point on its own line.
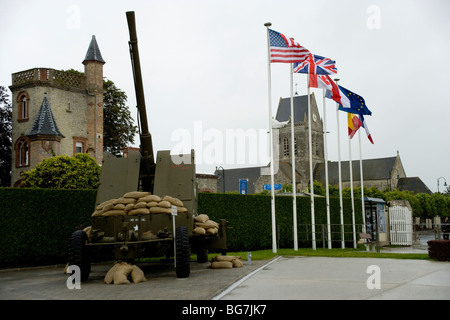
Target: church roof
300 108
93 52
414 184
44 122
373 169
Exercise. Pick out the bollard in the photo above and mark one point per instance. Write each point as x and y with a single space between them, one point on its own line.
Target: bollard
249 258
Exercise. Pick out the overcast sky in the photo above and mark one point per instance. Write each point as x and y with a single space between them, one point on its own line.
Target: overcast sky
204 66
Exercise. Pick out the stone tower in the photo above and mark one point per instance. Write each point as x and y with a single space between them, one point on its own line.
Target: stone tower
57 112
301 135
93 69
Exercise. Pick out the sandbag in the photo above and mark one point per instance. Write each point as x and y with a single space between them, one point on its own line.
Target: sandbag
212 231
199 230
125 201
97 213
119 206
160 210
121 274
137 211
104 203
150 198
208 224
88 231
165 204
237 263
221 265
225 258
136 194
182 210
201 218
108 207
137 275
109 278
110 213
129 207
140 204
175 201
152 204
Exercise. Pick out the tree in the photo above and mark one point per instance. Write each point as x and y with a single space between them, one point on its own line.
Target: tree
118 128
5 138
64 172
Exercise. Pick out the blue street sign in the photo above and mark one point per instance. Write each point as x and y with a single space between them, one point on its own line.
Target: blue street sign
243 186
268 186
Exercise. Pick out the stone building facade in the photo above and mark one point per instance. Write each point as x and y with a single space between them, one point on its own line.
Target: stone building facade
57 112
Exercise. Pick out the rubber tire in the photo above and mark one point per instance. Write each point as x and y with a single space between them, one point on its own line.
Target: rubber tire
202 255
77 253
183 267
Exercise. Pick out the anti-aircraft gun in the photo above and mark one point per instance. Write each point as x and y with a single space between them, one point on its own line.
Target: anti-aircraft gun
127 237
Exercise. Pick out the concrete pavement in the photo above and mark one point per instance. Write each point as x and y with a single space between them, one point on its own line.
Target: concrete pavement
323 278
283 278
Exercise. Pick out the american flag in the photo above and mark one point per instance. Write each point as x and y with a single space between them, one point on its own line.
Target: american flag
315 64
285 50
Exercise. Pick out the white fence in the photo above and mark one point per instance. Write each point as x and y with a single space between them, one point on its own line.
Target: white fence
400 222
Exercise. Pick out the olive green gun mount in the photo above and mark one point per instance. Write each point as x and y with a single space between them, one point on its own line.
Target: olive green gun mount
125 237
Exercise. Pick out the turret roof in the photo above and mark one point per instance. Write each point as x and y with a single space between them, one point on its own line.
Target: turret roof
93 52
44 122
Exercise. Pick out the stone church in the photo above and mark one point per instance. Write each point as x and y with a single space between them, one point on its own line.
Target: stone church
380 173
57 112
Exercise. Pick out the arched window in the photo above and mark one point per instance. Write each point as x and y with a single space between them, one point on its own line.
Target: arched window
295 146
23 103
285 146
22 149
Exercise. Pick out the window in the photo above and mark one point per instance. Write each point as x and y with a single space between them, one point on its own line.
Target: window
23 102
295 146
79 147
22 149
285 146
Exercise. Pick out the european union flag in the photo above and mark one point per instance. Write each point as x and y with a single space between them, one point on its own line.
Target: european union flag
352 103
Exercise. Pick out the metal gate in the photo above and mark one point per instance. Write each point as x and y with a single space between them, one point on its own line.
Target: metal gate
400 222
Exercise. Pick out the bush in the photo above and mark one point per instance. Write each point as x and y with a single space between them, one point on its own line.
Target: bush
439 249
64 172
37 223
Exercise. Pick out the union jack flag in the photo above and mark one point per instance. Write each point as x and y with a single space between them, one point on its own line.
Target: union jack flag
314 65
285 50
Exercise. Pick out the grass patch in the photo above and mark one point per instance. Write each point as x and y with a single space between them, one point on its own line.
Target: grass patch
335 253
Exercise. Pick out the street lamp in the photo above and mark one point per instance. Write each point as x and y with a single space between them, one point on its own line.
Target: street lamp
445 183
221 177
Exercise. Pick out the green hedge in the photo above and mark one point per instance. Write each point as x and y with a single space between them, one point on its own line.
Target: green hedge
36 224
250 219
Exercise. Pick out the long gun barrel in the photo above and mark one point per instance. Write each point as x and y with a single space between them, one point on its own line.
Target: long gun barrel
147 171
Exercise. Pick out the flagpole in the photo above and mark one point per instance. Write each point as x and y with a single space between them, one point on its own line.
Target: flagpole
362 185
326 169
313 226
274 239
294 184
341 206
351 189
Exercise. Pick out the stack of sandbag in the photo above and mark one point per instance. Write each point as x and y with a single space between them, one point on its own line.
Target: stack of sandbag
122 273
203 225
138 202
226 262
